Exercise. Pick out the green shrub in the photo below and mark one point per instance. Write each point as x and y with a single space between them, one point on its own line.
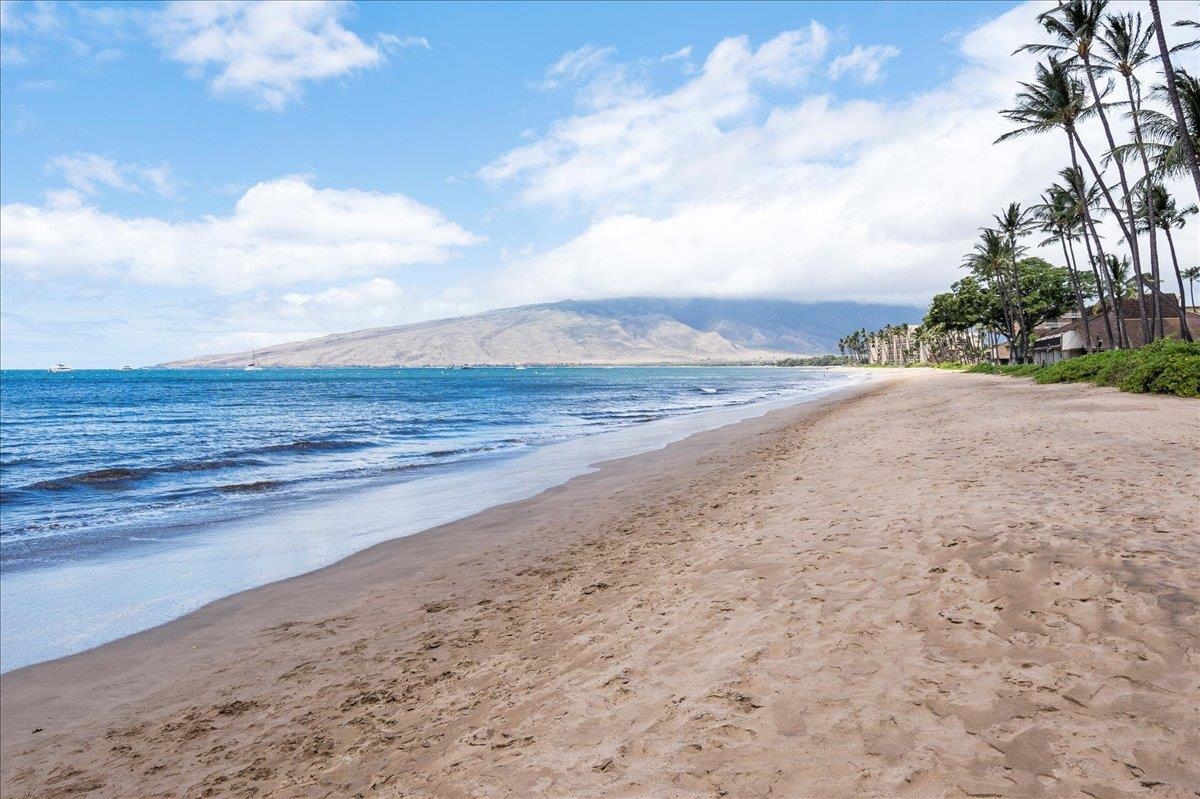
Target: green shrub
1169 366
1165 370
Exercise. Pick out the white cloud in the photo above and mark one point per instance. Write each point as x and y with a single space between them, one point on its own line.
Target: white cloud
709 190
267 318
281 233
391 41
624 150
576 64
865 63
49 32
88 172
265 52
39 17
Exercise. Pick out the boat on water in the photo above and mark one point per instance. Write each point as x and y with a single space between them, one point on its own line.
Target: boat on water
61 367
126 368
253 365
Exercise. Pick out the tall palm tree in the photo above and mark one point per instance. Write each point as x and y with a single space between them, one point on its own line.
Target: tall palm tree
1013 222
1056 99
1187 146
1058 218
1123 46
1159 211
1087 200
988 261
1075 25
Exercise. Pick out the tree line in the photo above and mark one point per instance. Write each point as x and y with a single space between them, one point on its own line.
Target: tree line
1091 76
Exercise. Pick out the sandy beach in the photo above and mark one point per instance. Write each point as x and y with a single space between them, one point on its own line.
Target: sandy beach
931 585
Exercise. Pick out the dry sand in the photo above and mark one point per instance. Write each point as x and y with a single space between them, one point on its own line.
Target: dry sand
944 585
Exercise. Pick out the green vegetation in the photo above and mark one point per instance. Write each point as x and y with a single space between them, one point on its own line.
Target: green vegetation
1088 84
1014 369
1168 366
815 360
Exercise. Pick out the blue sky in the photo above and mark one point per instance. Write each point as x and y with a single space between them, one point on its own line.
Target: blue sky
181 179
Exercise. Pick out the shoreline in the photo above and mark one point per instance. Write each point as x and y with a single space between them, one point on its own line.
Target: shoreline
715 608
74 606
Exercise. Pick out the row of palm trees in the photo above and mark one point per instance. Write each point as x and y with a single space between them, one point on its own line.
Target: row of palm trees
1089 54
900 345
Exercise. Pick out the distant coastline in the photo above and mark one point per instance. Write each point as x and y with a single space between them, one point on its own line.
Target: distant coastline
625 332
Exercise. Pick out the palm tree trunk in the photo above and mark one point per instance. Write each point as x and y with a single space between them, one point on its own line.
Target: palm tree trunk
1183 325
1006 308
1156 292
1185 140
1147 190
1104 280
1130 239
1079 303
1023 344
1087 223
1131 235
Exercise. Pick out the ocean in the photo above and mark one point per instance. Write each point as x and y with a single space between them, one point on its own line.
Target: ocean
128 498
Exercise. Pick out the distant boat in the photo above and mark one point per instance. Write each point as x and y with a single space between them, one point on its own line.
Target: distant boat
253 365
126 368
61 367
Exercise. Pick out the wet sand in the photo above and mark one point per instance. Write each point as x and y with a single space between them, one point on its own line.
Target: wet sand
934 585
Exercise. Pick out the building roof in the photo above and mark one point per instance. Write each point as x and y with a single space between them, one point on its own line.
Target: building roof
1048 342
1098 331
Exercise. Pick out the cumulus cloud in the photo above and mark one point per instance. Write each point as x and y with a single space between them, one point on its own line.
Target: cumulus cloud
712 189
281 233
89 172
864 63
643 144
265 52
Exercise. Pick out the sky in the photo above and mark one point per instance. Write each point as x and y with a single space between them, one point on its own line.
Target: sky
185 178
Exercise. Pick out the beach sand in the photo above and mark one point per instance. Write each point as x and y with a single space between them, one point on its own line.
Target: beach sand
936 585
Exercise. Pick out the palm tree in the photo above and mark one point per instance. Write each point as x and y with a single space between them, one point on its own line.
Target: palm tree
1058 217
1159 209
1192 273
1122 47
1056 99
1161 131
1118 270
1187 146
1075 24
989 262
1013 222
1087 198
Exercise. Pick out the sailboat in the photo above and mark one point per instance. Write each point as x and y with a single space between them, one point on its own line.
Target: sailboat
253 365
61 367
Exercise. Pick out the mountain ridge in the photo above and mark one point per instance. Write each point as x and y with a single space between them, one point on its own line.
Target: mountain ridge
635 330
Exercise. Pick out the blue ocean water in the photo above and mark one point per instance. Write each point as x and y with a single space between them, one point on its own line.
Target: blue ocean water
96 461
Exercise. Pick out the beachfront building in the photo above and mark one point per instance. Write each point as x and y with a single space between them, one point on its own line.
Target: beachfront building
1069 338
